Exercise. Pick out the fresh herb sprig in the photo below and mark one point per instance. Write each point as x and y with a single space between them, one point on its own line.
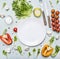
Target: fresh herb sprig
19 49
51 40
4 52
57 49
15 38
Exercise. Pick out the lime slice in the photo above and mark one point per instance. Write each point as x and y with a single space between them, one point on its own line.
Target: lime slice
37 12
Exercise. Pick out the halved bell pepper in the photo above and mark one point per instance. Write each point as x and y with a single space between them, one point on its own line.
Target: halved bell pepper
47 50
6 39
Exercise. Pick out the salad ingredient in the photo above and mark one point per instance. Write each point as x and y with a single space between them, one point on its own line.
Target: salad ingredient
19 49
52 15
55 20
27 48
51 40
53 28
34 50
8 20
29 54
47 50
37 12
15 29
4 32
15 38
4 4
57 1
38 52
56 16
57 49
53 11
4 52
21 8
2 16
51 3
49 32
57 12
53 24
6 39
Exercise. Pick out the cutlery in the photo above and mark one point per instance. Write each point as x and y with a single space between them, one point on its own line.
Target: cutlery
48 16
44 18
49 22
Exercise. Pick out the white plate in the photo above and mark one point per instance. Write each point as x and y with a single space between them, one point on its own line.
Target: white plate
31 32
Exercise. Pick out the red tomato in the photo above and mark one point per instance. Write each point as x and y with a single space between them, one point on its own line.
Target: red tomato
53 23
53 19
15 29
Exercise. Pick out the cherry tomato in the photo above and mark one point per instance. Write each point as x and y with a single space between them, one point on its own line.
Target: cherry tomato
53 24
53 28
52 15
53 19
57 12
57 30
53 10
57 25
56 16
15 29
57 21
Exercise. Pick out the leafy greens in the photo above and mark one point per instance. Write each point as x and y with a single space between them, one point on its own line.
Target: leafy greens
22 8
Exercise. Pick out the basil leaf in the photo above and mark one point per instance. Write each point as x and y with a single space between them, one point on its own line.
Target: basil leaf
19 49
4 53
29 54
38 52
51 40
15 38
34 50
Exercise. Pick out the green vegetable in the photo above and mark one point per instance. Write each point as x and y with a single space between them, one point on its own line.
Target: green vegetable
4 4
57 1
51 3
57 49
15 38
29 54
38 52
4 52
34 50
51 40
19 49
4 32
22 8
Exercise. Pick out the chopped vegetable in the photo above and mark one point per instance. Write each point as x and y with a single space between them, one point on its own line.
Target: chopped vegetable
46 50
22 8
4 32
4 4
15 29
6 39
4 52
57 49
51 3
38 52
29 54
37 12
51 40
57 1
34 50
15 38
19 49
